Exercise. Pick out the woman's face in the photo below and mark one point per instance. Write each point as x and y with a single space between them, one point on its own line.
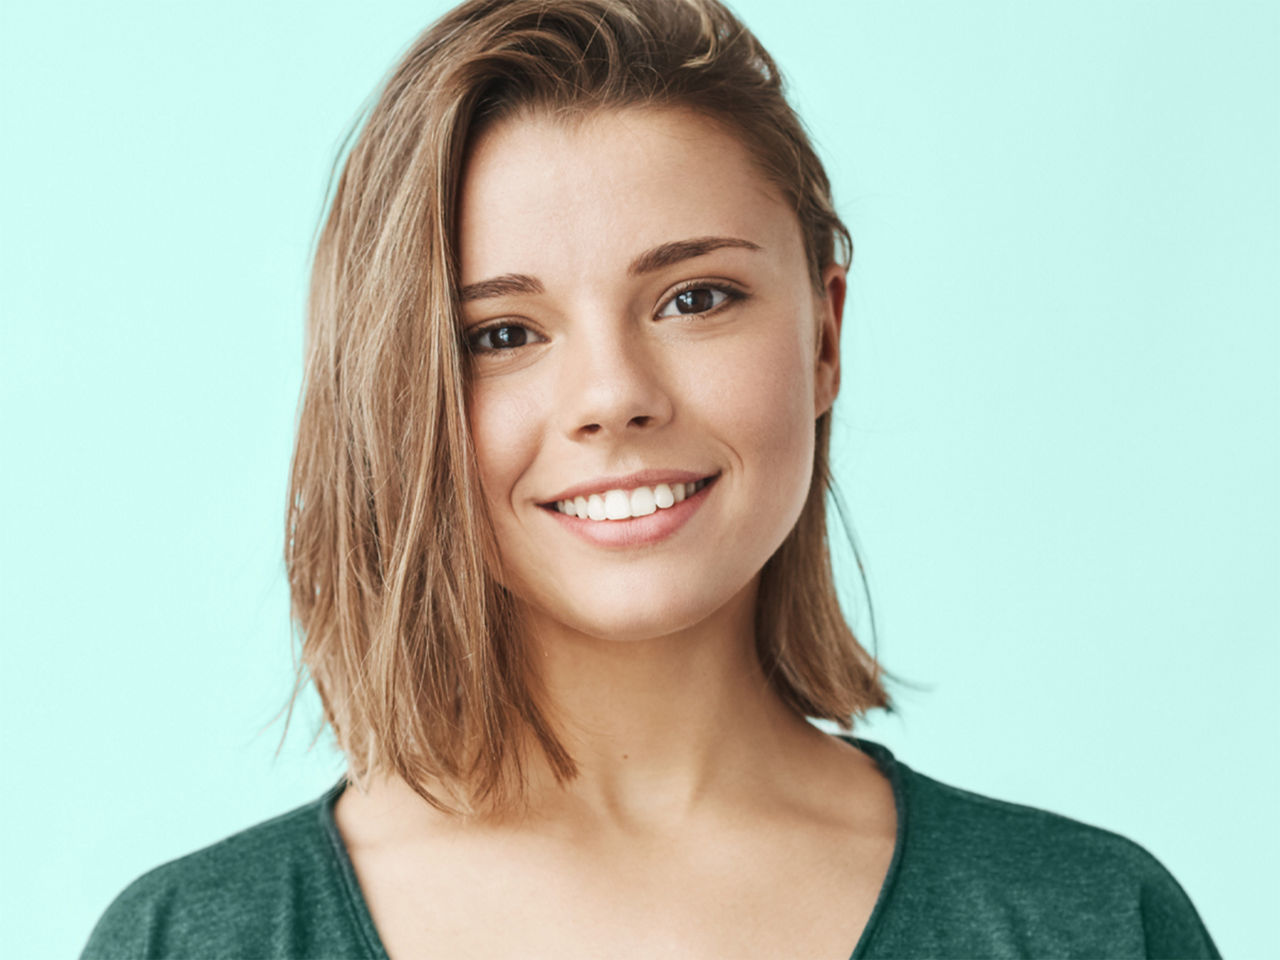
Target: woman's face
646 346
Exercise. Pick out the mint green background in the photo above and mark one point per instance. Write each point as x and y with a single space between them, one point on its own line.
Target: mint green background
1058 433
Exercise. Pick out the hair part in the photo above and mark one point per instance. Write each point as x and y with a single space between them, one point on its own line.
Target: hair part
413 646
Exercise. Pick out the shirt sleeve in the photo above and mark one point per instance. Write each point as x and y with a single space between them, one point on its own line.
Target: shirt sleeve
1171 926
131 926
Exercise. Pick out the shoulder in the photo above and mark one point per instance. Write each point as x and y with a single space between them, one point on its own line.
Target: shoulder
274 889
968 832
1001 878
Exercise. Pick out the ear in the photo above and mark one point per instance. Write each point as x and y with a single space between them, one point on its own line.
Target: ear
830 311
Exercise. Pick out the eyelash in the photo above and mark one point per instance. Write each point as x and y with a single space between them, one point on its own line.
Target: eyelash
732 294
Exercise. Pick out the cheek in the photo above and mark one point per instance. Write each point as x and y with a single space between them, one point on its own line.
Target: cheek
504 429
761 387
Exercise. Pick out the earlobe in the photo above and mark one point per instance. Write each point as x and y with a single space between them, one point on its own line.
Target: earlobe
830 305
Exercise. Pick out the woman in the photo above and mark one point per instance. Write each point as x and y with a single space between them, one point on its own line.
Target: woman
557 552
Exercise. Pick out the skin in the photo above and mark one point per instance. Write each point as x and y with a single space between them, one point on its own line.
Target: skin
702 798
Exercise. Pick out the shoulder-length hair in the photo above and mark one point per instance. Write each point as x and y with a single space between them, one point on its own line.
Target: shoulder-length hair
412 644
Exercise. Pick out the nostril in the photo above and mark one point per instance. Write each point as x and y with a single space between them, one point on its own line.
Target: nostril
641 421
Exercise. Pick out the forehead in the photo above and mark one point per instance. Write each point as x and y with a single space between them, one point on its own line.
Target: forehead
559 197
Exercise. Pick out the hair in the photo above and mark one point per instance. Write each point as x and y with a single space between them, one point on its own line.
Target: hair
413 646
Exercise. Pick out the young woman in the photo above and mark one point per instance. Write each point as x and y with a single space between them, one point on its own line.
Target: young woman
557 551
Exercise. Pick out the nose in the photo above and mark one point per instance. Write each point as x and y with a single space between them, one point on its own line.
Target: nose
613 383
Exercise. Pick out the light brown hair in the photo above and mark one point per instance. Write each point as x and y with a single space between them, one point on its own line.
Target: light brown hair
413 646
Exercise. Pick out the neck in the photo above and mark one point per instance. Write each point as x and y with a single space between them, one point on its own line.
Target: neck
665 727
667 733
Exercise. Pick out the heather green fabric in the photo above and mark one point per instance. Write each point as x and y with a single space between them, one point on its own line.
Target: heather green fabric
970 877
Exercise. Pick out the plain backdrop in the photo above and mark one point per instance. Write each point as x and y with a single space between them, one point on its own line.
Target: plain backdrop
1057 435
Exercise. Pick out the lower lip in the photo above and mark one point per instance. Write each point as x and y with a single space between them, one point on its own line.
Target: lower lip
638 531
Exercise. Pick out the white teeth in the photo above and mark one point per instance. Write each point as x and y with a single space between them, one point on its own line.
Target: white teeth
617 505
663 497
624 504
643 502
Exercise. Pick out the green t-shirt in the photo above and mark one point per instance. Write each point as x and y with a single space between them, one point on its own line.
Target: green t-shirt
970 877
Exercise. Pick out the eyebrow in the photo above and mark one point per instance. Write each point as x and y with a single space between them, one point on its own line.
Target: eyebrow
663 255
507 285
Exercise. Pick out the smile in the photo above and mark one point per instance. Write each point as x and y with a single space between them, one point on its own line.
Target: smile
620 504
620 513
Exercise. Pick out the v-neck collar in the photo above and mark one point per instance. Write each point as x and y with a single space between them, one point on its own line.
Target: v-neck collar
363 919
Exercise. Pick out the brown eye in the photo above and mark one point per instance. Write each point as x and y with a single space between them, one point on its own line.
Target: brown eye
695 300
508 336
501 336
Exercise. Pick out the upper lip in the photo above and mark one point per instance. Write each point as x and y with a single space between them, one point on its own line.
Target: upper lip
641 478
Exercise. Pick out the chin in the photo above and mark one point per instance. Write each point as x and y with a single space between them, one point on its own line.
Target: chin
635 629
636 616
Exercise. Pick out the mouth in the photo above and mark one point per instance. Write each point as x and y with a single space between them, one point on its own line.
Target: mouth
628 502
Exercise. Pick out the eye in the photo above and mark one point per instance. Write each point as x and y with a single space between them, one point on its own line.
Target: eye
698 297
500 336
